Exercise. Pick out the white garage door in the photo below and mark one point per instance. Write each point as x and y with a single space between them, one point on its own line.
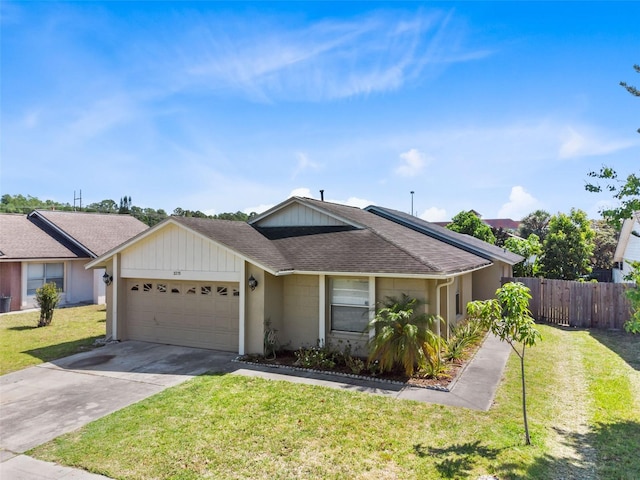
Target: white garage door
193 314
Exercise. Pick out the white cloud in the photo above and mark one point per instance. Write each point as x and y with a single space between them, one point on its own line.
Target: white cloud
258 208
31 119
413 163
434 214
519 205
329 59
304 163
301 192
356 202
586 143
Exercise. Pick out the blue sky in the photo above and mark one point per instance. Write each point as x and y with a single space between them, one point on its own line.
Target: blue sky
499 107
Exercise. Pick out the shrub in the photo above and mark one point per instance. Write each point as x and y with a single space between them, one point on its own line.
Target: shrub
320 356
633 294
271 344
403 337
462 337
47 298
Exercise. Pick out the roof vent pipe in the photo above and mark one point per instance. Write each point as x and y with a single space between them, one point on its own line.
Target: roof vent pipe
322 195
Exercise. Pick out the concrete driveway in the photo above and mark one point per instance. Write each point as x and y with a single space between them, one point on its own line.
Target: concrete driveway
40 403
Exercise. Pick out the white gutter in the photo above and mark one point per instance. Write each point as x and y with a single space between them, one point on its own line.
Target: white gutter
443 276
448 283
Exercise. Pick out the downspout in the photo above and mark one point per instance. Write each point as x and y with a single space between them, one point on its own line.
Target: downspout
448 283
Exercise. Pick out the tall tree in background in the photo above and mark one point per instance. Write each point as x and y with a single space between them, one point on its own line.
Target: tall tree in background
568 247
470 224
501 235
105 206
530 248
125 204
536 223
605 242
625 191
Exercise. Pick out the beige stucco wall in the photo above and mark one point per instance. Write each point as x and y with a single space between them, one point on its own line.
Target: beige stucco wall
487 280
273 307
254 311
262 304
385 287
300 311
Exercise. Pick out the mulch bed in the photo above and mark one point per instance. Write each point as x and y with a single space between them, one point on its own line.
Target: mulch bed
287 359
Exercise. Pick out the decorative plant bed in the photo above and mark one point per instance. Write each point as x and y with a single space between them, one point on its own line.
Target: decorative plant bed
287 359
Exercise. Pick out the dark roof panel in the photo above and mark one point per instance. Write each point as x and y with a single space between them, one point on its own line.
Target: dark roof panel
466 242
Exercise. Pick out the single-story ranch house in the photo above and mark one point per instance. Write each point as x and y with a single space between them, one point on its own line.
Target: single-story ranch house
315 270
54 246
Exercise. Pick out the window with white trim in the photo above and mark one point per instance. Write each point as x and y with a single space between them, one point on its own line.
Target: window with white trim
349 298
39 274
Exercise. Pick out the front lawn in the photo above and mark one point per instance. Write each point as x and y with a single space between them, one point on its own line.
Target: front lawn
584 414
73 330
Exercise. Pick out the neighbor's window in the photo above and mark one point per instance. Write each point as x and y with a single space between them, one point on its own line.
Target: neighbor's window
349 304
40 273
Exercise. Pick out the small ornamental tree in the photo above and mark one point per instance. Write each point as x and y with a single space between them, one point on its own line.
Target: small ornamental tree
47 298
508 317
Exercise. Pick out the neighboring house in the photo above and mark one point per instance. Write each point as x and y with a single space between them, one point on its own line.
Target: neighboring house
628 248
315 270
506 224
53 246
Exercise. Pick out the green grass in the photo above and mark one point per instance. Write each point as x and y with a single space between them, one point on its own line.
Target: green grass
225 426
23 344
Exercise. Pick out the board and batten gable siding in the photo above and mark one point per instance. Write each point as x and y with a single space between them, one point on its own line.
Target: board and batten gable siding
174 252
297 215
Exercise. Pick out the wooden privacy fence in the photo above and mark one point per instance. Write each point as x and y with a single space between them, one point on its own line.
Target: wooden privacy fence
577 304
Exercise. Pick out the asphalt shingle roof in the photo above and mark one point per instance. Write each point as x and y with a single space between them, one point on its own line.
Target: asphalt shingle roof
22 239
366 244
239 237
383 246
467 242
33 236
98 232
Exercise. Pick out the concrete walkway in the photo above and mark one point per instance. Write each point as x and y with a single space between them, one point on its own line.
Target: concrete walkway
76 390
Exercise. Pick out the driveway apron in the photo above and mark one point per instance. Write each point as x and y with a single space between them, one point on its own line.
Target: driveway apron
40 403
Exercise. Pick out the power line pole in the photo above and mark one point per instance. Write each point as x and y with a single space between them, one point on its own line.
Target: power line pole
77 198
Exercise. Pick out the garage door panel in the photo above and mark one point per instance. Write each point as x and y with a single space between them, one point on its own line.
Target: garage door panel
197 314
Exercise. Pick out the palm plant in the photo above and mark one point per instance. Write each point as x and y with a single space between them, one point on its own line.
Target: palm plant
403 337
